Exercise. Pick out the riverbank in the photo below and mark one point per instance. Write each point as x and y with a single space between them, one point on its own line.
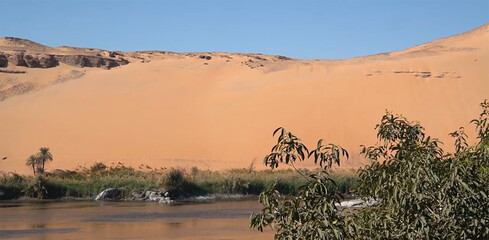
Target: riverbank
86 183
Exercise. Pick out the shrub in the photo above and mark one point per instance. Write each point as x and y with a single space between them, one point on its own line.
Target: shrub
422 191
313 213
174 179
36 187
11 185
176 183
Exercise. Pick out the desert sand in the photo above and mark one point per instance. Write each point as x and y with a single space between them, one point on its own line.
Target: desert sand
218 110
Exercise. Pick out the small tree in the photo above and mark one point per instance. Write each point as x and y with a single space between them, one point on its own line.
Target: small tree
422 192
32 162
44 155
38 161
313 214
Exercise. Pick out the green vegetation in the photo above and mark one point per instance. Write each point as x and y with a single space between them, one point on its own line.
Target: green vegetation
421 191
43 156
32 161
38 161
88 182
312 213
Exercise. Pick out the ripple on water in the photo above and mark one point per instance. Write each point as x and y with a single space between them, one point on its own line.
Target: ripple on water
35 231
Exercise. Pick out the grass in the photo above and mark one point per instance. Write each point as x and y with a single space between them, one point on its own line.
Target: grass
88 182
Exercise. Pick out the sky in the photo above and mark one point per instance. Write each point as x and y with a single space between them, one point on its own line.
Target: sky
300 29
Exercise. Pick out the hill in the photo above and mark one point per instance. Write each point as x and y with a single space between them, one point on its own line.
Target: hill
218 110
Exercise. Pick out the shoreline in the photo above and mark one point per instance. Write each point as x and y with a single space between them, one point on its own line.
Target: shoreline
191 200
197 184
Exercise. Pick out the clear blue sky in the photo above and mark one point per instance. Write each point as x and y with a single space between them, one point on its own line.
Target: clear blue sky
300 29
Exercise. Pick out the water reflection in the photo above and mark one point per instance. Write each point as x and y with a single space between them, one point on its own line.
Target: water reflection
34 232
128 220
10 205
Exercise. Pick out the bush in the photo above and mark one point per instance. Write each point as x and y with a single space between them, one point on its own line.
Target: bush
177 184
11 185
422 191
175 179
36 187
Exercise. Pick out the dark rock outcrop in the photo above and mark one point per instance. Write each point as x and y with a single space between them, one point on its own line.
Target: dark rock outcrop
206 57
114 54
283 58
90 61
77 60
48 61
3 61
17 59
31 62
253 64
40 61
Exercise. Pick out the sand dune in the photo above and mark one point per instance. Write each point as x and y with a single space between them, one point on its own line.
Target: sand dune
218 110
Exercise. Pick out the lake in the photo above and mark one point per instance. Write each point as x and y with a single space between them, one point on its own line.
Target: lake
223 220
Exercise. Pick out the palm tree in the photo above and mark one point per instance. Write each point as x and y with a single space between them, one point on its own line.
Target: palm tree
44 155
32 161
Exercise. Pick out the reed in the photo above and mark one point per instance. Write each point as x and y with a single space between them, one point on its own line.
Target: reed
88 182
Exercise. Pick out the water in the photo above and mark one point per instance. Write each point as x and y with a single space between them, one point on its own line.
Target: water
128 220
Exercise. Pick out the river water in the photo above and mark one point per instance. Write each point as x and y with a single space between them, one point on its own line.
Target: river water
225 220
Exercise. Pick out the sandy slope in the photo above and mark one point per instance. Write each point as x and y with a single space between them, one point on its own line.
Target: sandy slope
168 109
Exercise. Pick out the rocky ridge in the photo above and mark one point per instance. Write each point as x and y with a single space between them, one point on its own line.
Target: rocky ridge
39 60
25 53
